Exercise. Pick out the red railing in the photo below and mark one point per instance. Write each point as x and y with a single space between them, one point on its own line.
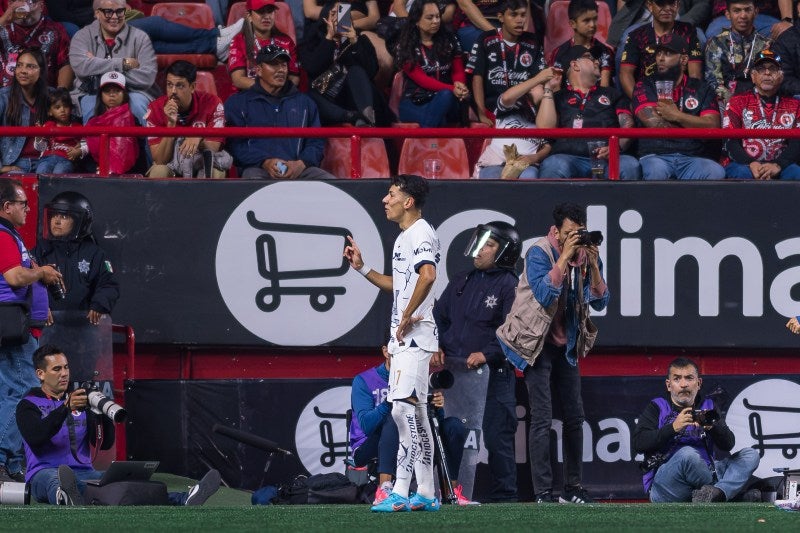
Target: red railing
356 134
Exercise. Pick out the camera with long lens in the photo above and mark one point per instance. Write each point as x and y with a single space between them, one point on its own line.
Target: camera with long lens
12 493
705 417
441 379
102 404
589 238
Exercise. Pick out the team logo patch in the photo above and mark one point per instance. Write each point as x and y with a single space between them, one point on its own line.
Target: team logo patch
692 103
786 120
604 100
526 59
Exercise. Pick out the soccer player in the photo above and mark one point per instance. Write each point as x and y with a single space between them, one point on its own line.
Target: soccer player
413 338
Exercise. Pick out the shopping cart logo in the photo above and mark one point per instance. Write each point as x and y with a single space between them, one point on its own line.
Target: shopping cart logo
279 263
321 436
766 417
269 298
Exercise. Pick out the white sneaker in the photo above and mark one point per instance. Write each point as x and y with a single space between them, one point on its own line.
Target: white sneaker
225 38
788 505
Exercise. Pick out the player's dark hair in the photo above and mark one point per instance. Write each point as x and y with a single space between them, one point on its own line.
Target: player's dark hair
574 212
414 186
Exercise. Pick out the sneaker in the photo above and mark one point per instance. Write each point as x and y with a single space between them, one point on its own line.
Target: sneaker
204 489
421 503
751 496
788 505
383 492
68 487
5 475
461 499
708 494
575 494
545 497
393 503
225 39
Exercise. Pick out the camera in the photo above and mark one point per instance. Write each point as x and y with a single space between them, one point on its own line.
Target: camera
652 462
102 404
442 379
705 417
589 238
12 493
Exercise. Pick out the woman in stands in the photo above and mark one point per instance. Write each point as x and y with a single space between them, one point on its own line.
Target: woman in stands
258 31
433 69
23 103
359 102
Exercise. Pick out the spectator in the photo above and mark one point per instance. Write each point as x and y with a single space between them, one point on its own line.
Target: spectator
679 444
476 17
183 105
583 104
220 10
113 109
60 153
447 9
275 102
633 13
503 58
433 69
638 59
787 45
68 243
374 435
763 108
767 23
258 31
32 29
583 20
359 102
730 55
693 105
23 103
109 44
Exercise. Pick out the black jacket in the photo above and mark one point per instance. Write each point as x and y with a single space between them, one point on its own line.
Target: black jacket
787 45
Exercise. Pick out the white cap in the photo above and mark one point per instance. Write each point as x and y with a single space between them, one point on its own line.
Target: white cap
113 78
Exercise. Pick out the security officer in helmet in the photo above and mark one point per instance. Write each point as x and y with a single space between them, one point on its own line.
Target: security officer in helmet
67 242
473 305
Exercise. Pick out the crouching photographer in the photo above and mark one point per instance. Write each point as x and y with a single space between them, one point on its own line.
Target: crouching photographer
58 429
678 434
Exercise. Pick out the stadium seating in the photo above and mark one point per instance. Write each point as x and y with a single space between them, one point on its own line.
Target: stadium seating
283 17
558 28
452 153
374 160
206 82
188 14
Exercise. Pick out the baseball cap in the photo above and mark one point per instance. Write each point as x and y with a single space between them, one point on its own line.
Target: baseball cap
113 78
271 53
255 5
576 52
674 43
767 56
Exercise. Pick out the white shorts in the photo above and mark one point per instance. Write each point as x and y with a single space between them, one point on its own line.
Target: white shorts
408 374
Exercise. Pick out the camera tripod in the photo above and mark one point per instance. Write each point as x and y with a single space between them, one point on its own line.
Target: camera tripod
440 457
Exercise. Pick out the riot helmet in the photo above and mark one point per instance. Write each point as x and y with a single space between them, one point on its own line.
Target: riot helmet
506 236
68 207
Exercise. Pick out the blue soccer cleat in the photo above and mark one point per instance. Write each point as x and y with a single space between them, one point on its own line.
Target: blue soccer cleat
393 504
421 503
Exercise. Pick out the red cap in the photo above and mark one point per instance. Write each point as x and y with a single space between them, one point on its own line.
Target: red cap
255 5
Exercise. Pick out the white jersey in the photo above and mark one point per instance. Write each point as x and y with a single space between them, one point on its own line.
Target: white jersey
414 247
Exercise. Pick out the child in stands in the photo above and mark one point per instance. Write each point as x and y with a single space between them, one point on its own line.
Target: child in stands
60 153
583 19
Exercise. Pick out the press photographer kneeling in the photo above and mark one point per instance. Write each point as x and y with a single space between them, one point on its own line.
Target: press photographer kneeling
678 433
58 427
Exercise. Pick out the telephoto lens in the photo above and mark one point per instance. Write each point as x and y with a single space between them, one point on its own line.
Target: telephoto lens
12 493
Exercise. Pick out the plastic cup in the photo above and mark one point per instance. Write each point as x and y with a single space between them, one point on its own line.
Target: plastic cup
598 165
432 168
664 89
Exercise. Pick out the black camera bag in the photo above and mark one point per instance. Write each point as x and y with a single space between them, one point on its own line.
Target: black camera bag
13 322
127 493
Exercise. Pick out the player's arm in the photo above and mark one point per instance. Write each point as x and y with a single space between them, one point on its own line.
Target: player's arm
353 255
426 278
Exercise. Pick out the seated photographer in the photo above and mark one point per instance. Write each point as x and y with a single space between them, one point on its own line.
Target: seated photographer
678 433
57 430
373 432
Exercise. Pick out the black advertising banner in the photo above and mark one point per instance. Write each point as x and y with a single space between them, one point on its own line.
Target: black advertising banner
256 263
172 422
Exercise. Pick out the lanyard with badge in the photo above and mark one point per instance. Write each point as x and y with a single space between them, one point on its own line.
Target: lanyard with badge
435 66
503 57
771 123
577 122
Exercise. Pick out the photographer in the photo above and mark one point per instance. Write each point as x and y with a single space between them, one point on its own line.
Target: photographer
546 332
57 430
373 432
678 433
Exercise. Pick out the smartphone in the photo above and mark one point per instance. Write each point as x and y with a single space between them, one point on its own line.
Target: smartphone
343 18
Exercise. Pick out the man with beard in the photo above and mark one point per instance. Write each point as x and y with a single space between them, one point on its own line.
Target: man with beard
678 433
692 105
763 108
23 26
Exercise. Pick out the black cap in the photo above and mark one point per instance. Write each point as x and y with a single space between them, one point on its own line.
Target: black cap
674 43
270 53
767 56
576 52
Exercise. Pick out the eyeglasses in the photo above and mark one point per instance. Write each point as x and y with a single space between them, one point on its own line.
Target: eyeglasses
762 69
109 13
23 202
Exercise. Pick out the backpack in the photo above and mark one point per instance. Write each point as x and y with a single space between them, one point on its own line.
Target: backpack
127 493
319 489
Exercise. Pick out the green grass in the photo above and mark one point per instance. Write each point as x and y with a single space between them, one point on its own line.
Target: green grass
345 518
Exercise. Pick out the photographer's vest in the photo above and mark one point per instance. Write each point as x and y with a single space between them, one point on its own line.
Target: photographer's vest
374 382
38 300
690 436
58 450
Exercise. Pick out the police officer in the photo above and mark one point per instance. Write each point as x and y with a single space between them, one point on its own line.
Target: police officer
471 308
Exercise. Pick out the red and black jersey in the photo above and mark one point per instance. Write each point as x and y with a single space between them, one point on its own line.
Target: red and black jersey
754 112
640 49
502 64
599 108
692 96
600 50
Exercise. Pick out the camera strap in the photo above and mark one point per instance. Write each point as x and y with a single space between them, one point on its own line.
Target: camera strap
73 440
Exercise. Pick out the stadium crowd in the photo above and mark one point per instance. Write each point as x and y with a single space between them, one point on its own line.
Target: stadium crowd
496 63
